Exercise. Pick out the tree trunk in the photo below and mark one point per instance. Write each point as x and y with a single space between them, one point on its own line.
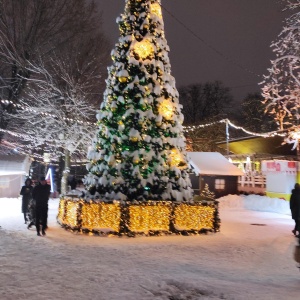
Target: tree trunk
66 172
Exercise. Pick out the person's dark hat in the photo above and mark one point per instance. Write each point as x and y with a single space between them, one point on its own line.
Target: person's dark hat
42 178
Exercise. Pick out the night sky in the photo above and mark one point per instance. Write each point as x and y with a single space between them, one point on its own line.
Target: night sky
226 40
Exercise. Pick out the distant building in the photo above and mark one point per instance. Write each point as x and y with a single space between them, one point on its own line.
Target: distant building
213 169
253 154
13 170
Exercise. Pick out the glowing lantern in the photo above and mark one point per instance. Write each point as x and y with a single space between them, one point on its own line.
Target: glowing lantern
156 9
166 109
143 49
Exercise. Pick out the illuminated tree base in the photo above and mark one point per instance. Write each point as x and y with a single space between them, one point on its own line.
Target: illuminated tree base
138 218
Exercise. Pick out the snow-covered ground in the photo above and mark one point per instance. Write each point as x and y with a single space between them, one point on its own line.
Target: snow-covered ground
251 258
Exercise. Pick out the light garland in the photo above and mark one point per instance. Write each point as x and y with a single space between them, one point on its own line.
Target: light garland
150 217
7 102
185 128
71 209
155 9
101 215
194 217
166 109
267 134
147 218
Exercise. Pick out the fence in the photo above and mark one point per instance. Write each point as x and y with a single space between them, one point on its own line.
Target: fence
252 181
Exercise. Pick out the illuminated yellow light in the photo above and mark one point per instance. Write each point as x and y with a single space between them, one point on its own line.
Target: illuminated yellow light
71 213
144 218
175 158
144 49
61 211
193 217
295 135
101 215
166 109
155 8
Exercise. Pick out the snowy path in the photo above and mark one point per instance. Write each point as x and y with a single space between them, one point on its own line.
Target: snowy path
243 261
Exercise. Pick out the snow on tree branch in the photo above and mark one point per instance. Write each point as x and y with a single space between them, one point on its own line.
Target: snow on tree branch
281 86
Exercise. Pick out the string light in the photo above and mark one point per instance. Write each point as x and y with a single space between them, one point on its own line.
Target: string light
267 134
19 106
218 52
185 128
154 217
197 217
155 9
166 109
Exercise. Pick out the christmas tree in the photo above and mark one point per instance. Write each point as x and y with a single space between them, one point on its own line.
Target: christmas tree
139 152
206 194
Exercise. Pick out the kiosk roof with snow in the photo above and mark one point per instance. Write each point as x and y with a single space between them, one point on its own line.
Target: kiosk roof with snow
14 164
212 163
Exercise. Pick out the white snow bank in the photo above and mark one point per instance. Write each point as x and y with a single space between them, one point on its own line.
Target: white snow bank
256 203
241 262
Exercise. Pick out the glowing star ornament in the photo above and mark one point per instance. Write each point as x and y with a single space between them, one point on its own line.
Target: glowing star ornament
175 158
143 49
155 9
166 109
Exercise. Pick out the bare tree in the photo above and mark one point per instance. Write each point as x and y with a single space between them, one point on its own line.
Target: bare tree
36 30
281 87
56 107
30 29
203 102
57 114
251 114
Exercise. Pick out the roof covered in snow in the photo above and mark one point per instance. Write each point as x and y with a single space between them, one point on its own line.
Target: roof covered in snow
14 164
258 145
212 163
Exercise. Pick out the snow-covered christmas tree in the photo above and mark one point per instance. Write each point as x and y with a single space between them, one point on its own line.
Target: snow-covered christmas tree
139 152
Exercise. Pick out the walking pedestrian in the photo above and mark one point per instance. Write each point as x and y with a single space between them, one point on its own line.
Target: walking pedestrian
31 213
26 192
41 194
295 208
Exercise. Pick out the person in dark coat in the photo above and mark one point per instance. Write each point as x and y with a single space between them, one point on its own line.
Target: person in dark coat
31 213
295 208
41 194
26 192
72 183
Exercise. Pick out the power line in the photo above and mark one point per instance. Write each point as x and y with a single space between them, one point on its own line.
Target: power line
219 53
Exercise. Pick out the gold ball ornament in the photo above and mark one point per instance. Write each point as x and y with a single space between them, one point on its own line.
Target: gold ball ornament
134 139
122 79
159 71
136 161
